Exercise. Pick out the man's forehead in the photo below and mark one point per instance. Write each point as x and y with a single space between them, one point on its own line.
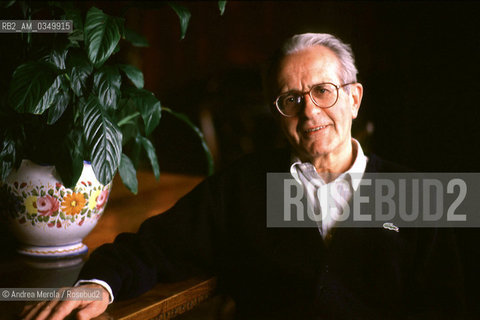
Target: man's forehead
314 62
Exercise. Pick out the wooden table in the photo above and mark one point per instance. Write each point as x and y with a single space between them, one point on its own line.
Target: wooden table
124 213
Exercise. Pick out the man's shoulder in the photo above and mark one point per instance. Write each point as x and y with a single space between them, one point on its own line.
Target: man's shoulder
377 164
269 160
248 174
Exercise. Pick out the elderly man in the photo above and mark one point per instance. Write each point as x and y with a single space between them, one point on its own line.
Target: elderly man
220 227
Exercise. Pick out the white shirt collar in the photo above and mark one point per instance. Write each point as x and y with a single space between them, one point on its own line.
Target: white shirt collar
355 171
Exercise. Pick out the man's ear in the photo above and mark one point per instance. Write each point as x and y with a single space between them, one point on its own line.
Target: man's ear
356 94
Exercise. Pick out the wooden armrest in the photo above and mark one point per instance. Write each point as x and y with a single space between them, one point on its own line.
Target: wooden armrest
164 301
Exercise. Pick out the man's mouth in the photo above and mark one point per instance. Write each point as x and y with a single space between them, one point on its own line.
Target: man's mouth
314 129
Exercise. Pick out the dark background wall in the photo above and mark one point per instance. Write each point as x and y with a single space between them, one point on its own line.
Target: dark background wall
418 62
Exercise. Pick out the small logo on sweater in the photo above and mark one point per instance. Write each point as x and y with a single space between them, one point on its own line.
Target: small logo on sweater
390 226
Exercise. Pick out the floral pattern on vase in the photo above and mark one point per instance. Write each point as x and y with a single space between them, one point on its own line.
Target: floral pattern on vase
44 213
56 205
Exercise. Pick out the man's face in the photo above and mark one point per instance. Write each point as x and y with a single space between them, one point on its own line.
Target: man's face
315 132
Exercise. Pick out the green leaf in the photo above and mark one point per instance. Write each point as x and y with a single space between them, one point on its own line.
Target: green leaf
151 153
69 162
79 70
31 87
121 25
7 157
60 101
76 16
221 6
74 37
53 95
107 83
9 3
128 174
184 16
64 5
117 48
102 35
57 57
129 122
134 74
148 106
104 141
136 152
58 108
199 133
137 40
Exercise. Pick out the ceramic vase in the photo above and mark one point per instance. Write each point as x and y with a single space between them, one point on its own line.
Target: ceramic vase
49 219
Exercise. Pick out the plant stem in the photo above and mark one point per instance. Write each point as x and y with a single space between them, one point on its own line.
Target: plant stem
127 119
199 133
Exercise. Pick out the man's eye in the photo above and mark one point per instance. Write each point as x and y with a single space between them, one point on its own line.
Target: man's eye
320 90
292 99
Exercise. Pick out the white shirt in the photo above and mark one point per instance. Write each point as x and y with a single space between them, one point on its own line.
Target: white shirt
319 194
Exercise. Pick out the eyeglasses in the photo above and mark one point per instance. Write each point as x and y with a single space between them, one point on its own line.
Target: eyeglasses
323 95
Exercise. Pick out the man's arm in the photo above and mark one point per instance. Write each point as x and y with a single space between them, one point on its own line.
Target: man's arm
168 247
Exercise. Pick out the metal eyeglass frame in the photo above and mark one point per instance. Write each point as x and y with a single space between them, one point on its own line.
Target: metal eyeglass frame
302 93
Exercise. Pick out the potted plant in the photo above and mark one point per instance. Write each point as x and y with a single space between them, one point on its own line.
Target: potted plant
73 115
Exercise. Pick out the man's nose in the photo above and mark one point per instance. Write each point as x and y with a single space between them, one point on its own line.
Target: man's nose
310 109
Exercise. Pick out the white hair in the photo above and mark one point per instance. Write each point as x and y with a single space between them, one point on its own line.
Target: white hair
348 71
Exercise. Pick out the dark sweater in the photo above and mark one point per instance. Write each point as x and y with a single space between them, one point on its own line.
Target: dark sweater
220 228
